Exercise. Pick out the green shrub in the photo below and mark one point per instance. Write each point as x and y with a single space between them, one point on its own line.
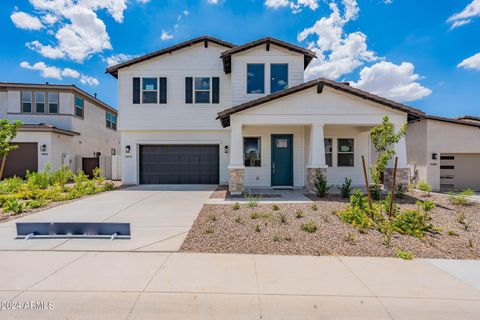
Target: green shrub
350 238
11 185
461 217
33 204
299 214
61 176
257 228
346 188
275 207
239 219
424 187
375 191
309 227
252 200
314 207
386 205
452 233
16 206
212 217
260 215
356 217
359 200
236 206
6 197
386 228
320 184
97 175
209 230
283 218
400 191
405 255
40 179
412 222
461 199
426 206
108 186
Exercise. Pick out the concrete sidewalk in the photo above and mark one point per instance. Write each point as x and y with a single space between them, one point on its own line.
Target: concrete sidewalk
135 285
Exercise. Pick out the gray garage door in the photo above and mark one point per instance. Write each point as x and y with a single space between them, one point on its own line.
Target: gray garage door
22 159
179 164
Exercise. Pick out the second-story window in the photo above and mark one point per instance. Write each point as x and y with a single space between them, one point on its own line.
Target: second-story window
255 78
202 90
149 90
40 102
111 121
26 101
278 77
79 106
53 102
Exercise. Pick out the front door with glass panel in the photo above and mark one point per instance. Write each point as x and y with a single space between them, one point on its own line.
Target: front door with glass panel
282 160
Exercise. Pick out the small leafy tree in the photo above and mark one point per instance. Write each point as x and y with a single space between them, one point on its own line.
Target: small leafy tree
320 184
8 131
384 138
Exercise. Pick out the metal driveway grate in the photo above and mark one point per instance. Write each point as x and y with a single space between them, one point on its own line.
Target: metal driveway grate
69 230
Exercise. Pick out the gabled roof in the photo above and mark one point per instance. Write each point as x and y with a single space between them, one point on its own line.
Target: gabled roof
205 39
469 118
227 55
413 113
58 87
43 127
455 121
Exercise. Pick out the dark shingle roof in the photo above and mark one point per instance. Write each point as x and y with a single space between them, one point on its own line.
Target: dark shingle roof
224 115
205 39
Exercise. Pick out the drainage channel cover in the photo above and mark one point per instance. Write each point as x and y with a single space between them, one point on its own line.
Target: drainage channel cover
102 230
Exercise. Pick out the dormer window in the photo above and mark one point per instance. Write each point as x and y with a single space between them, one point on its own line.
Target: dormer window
278 77
255 78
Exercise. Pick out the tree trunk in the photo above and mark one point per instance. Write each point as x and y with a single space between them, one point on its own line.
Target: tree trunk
2 166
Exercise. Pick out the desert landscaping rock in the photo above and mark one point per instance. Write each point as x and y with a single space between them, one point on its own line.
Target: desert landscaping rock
234 231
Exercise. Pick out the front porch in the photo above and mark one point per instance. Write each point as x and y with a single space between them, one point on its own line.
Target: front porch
288 155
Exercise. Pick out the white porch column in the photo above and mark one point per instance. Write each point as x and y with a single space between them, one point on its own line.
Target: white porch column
316 160
403 171
236 169
317 147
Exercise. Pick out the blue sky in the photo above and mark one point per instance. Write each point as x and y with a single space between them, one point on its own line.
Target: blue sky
417 52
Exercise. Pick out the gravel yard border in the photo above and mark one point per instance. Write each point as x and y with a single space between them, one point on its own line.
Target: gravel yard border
221 229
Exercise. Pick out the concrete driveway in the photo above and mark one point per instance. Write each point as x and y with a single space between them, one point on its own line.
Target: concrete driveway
139 285
160 218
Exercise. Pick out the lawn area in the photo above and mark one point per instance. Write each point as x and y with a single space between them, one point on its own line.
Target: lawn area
45 189
448 229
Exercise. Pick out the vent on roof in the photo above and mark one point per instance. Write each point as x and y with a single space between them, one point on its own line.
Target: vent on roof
346 83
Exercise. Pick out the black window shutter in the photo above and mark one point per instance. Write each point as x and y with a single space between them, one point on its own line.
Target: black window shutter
136 90
189 90
215 90
163 90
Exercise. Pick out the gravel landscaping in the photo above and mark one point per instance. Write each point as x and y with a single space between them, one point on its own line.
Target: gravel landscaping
301 230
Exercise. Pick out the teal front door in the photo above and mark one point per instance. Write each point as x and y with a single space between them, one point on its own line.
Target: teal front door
282 160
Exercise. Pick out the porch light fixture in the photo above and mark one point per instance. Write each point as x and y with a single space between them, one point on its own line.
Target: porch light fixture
434 156
127 149
43 148
225 149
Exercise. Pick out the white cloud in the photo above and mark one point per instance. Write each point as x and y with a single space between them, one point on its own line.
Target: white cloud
213 1
79 33
165 35
23 20
295 6
117 59
395 82
58 73
338 52
91 81
472 62
464 17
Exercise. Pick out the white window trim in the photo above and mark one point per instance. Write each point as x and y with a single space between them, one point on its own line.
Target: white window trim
288 74
333 151
111 121
32 96
33 102
47 102
157 91
264 79
75 107
210 91
337 152
261 150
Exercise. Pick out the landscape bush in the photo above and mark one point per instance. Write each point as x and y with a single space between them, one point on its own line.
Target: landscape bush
425 188
346 189
320 184
41 188
461 199
412 222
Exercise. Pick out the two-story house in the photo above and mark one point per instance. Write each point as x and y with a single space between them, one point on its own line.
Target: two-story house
62 126
206 111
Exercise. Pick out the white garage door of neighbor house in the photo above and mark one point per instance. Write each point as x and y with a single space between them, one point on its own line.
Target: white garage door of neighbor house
459 171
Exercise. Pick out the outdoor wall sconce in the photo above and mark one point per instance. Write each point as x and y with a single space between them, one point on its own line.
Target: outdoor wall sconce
225 149
113 151
434 156
97 154
43 148
127 149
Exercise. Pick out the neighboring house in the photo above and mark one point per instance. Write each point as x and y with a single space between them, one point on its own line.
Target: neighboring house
445 152
207 111
62 126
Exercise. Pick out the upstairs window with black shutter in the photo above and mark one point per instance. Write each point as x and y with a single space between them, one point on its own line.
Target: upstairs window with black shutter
202 90
136 91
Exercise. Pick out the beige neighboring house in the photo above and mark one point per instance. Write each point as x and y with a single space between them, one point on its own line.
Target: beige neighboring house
63 126
445 152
